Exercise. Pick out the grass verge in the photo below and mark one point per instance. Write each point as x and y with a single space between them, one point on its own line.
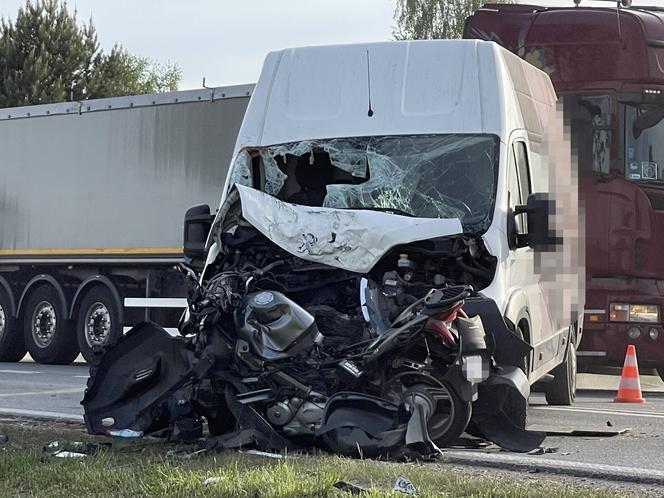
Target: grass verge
152 468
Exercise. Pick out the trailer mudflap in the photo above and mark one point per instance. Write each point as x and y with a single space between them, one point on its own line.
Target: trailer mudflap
130 387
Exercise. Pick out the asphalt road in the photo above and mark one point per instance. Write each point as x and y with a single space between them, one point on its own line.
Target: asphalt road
55 391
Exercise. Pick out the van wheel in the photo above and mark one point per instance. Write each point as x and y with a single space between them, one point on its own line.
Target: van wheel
48 335
98 323
562 389
660 372
515 406
12 345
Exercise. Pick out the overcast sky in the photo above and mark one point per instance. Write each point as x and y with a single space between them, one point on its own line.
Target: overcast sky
226 40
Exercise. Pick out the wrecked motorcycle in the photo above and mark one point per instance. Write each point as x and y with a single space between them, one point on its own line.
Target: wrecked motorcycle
394 369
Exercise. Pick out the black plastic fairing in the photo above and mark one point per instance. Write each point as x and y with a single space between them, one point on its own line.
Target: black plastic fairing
134 377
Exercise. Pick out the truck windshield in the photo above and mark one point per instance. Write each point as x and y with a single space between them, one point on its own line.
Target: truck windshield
644 140
428 176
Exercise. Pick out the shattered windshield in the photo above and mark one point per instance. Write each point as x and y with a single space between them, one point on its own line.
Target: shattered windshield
644 132
427 176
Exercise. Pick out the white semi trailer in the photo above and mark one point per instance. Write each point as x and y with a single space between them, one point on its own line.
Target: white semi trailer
92 197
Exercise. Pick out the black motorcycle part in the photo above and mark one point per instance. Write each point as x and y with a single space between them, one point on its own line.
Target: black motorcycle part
331 323
251 430
490 422
473 336
186 425
130 386
502 343
445 298
418 442
360 425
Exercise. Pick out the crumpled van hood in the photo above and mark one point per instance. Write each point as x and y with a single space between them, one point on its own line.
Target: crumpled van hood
350 239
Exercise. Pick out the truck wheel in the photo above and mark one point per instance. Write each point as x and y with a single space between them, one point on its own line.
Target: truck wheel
98 323
562 389
48 335
12 345
515 406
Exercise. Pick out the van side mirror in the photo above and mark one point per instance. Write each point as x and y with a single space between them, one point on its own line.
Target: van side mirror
197 225
539 236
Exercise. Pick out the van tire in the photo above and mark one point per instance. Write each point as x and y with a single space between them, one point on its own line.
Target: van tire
12 345
660 372
515 406
98 305
52 340
562 389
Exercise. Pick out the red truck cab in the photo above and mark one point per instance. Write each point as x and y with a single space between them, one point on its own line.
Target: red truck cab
607 65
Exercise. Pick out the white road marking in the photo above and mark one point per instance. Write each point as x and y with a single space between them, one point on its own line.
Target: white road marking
41 393
600 412
80 376
569 467
40 413
21 372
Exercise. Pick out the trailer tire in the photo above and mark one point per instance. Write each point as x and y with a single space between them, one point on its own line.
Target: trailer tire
515 406
562 389
12 345
98 324
48 335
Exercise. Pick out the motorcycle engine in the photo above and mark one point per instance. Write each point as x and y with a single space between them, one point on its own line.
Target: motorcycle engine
296 417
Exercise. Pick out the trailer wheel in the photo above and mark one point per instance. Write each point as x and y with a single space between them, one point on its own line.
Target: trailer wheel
48 335
98 323
12 345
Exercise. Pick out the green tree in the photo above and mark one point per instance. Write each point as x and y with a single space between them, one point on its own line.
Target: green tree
122 73
45 56
433 19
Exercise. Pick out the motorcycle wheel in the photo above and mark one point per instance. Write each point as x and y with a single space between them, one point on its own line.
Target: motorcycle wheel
451 414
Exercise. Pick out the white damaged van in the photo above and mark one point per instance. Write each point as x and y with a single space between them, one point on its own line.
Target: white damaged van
446 137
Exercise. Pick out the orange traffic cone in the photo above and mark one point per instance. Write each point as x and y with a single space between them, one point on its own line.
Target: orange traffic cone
630 384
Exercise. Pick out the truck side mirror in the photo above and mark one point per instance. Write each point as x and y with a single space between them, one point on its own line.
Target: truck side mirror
540 236
197 224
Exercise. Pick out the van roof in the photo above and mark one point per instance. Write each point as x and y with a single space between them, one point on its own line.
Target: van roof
394 88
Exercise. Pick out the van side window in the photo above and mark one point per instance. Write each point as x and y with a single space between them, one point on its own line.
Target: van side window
514 191
523 169
519 183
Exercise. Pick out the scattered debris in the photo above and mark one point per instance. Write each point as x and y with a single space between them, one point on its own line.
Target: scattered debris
609 424
53 445
403 485
353 489
73 449
68 454
542 450
212 480
589 433
263 454
472 443
126 433
183 455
